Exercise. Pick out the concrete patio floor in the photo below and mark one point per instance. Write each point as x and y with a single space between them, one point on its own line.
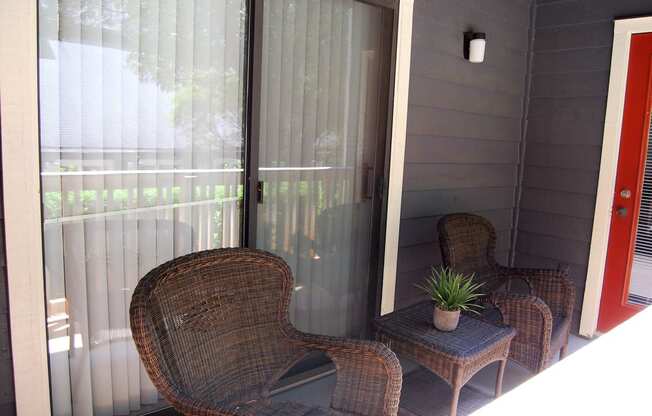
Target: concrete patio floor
425 394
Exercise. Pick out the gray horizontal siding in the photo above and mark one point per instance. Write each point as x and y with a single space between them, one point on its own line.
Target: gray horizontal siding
554 225
505 20
570 84
572 60
426 255
567 180
576 36
7 398
432 34
444 65
579 157
565 121
423 230
433 93
439 202
569 12
424 120
464 127
426 176
560 203
425 149
565 250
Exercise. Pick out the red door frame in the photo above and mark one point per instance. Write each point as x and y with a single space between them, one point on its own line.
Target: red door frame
614 307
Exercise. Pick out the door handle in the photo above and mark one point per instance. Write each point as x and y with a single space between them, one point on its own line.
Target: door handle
625 193
260 190
368 191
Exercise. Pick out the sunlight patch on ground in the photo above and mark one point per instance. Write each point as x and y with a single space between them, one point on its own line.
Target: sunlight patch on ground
608 376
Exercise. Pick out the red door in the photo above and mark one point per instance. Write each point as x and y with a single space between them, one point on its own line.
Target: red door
628 273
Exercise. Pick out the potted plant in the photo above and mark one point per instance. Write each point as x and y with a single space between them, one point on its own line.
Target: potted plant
452 293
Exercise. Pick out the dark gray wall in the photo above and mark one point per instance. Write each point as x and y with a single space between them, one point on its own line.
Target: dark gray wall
464 126
7 400
565 120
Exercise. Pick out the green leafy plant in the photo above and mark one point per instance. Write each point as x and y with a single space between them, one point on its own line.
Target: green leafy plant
452 291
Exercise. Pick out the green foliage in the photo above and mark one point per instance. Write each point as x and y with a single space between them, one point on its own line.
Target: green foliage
452 291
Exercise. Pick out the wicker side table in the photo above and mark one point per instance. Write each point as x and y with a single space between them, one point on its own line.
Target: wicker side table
454 356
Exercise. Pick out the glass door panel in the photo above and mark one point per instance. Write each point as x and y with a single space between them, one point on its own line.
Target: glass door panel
141 106
322 115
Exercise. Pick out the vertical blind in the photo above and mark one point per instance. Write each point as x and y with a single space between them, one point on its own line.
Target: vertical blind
320 106
142 149
141 141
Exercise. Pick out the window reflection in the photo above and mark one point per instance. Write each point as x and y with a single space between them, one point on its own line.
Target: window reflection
141 105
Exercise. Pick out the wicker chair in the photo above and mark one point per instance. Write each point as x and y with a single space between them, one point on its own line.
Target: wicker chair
213 333
541 316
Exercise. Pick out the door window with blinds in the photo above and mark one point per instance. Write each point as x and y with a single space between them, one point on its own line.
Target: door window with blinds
640 286
143 108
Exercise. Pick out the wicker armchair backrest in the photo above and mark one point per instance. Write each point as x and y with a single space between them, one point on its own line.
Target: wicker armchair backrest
213 324
468 244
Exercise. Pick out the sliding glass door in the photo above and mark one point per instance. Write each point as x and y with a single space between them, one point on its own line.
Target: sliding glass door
323 106
141 105
144 109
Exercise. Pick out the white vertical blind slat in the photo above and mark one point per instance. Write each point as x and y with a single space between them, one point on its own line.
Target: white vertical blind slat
286 105
95 230
306 271
129 140
200 108
218 85
299 196
164 129
148 92
112 129
183 139
73 233
234 109
53 234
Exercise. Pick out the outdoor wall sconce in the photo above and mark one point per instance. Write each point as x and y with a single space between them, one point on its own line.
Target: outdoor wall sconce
474 45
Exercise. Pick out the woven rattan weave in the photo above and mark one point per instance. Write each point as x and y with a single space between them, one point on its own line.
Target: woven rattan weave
213 333
454 356
541 316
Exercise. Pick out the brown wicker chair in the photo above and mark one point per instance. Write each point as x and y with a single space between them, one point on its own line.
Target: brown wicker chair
212 330
541 316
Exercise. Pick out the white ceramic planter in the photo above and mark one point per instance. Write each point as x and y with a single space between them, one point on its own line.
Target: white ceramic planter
445 320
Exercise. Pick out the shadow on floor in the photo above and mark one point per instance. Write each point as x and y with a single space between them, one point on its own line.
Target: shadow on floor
423 393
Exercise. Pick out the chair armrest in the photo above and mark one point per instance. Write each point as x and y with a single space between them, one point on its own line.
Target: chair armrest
369 375
501 280
553 286
532 319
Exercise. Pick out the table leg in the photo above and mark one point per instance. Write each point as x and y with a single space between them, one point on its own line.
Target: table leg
499 378
455 399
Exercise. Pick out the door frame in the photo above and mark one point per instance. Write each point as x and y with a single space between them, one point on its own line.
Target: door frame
397 122
623 31
22 205
21 180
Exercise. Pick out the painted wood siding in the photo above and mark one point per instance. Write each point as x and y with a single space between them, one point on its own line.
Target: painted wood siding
464 126
565 120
